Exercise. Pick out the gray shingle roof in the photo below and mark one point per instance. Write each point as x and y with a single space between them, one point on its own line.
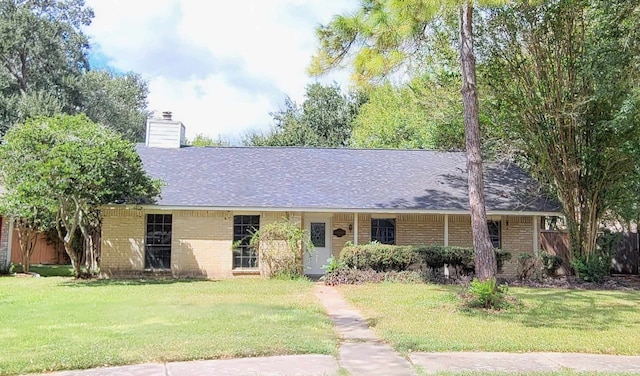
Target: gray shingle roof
305 178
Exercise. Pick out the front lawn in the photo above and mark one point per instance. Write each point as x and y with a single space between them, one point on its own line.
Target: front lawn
429 318
57 323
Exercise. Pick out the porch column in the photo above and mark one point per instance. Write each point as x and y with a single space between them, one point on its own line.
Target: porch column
536 220
355 228
446 230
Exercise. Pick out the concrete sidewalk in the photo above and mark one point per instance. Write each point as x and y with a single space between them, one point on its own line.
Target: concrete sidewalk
293 365
362 352
431 363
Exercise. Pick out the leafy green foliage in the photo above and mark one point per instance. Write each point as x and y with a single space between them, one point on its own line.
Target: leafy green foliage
597 266
116 101
424 114
333 264
323 120
486 294
385 257
44 70
566 79
280 245
379 257
201 140
44 51
71 165
592 268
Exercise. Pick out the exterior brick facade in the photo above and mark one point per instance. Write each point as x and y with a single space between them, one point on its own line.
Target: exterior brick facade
201 242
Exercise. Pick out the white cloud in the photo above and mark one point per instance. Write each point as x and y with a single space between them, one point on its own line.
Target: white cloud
220 66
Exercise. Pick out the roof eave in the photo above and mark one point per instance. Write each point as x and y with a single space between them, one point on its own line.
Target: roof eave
329 210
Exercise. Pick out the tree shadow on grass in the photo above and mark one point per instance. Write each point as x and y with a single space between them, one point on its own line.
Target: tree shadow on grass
577 310
132 282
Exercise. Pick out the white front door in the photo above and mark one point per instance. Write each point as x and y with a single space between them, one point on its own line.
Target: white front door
319 228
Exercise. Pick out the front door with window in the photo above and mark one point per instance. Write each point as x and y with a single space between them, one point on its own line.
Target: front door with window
319 227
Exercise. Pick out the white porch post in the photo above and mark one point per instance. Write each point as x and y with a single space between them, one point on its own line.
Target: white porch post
446 230
536 219
355 228
446 243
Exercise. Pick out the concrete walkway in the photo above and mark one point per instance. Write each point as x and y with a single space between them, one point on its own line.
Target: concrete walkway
361 351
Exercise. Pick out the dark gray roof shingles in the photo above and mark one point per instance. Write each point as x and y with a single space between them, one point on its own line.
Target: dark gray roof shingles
306 178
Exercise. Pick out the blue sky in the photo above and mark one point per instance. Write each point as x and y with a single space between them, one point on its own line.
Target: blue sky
219 66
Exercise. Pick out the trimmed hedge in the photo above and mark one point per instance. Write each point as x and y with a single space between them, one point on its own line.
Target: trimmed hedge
384 257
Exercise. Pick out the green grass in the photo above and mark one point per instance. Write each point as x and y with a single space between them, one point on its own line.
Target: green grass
48 270
430 318
57 323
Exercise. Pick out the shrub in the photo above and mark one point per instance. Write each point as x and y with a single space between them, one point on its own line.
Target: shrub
379 257
592 268
526 265
485 294
333 264
550 263
347 276
383 257
280 245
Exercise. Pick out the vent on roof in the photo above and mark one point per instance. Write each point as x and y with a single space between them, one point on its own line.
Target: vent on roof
165 132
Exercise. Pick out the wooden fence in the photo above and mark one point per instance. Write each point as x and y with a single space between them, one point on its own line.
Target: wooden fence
626 257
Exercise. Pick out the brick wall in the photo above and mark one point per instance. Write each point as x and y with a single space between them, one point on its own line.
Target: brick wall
517 238
419 229
201 243
460 231
202 240
122 241
343 221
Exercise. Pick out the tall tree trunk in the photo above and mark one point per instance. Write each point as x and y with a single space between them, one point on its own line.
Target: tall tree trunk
27 238
485 259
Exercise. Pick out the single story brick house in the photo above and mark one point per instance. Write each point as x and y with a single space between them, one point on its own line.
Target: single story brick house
214 196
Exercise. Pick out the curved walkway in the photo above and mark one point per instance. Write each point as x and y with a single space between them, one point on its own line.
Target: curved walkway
364 353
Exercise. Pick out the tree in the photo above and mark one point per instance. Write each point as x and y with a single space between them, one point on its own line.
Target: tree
73 166
42 49
203 140
30 215
116 101
567 73
323 120
386 34
44 70
424 113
